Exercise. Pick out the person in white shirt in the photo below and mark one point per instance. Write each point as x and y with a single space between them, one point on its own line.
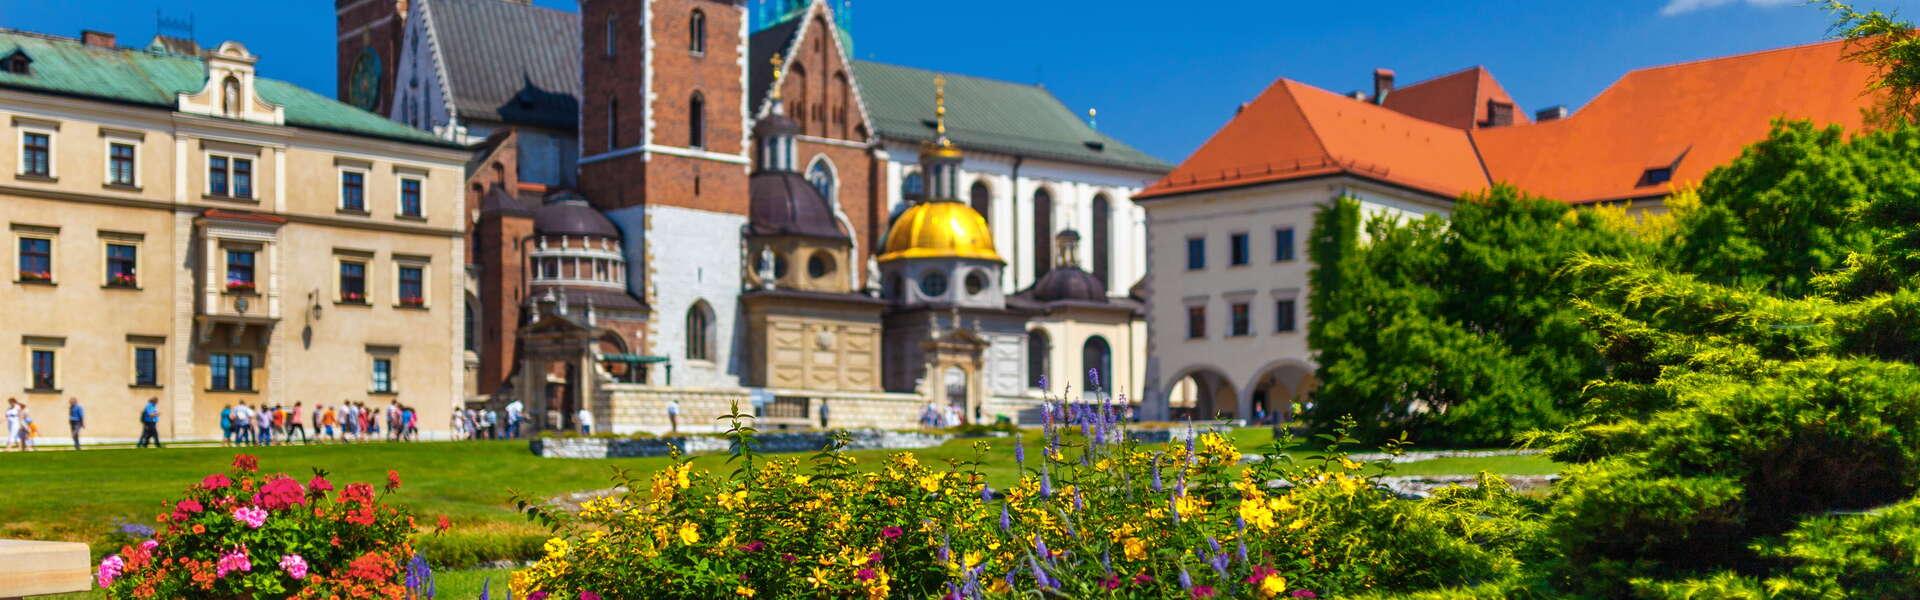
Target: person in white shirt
13 423
516 412
585 419
673 415
243 425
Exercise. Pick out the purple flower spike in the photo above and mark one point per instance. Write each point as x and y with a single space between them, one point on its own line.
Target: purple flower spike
1156 473
1040 547
1019 452
1173 508
1046 482
986 493
1006 520
1186 581
1079 502
1213 544
1241 550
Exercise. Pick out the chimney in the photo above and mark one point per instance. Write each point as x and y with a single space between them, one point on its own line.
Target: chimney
1382 85
1499 114
97 39
1551 113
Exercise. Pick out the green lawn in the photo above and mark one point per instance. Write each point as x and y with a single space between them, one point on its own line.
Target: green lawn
81 496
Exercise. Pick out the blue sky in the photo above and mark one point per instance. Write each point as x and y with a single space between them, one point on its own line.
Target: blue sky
1164 75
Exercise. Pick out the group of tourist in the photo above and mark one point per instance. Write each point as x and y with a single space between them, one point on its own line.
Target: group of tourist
487 423
350 421
21 429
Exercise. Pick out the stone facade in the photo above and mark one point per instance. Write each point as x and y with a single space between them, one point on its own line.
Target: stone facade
858 439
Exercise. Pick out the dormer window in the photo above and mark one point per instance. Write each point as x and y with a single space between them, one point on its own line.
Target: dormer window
230 97
17 63
1655 176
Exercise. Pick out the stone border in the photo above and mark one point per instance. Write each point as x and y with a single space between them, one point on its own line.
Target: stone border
810 441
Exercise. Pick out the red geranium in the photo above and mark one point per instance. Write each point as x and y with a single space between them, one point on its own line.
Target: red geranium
393 480
282 492
246 462
216 481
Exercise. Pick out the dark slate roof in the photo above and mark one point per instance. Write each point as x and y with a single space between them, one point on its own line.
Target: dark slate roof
783 293
568 213
990 115
578 296
785 203
1067 283
497 200
509 62
156 76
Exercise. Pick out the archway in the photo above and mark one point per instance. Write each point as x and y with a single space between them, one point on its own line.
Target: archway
1202 394
1281 390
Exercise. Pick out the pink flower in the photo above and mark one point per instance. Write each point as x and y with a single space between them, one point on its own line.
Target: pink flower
537 596
865 575
1112 582
1202 591
216 481
149 545
294 565
186 508
110 570
233 561
282 492
876 557
1305 594
589 596
253 516
892 531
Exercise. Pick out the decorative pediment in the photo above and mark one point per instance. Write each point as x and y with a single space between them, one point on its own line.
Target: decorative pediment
230 91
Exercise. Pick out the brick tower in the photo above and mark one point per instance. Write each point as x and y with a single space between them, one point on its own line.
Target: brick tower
367 36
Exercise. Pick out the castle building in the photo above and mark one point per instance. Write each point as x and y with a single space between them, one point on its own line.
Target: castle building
755 174
185 229
1227 252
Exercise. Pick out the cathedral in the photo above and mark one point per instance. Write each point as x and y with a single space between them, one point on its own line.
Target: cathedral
693 205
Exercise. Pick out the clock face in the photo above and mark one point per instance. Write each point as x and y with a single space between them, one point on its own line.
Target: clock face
363 84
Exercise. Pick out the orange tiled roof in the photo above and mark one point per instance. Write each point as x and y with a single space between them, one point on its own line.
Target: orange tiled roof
1295 131
1457 100
1688 117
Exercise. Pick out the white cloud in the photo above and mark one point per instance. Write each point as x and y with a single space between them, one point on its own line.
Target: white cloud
1680 7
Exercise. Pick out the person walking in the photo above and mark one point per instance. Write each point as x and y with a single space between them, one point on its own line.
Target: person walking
226 426
27 429
294 424
584 419
76 420
823 414
515 412
673 416
150 424
242 425
12 432
327 421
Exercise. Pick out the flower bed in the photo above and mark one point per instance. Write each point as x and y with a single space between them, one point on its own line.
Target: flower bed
1093 515
241 534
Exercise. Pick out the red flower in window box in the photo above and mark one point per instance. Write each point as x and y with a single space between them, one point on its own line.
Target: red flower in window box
235 285
353 297
124 280
36 276
413 301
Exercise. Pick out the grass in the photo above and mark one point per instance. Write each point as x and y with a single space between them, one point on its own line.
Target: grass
83 496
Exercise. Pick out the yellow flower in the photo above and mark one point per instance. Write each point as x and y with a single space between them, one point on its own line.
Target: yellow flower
801 479
1257 515
743 591
1296 524
1349 464
1135 549
689 533
556 548
731 501
930 483
1272 585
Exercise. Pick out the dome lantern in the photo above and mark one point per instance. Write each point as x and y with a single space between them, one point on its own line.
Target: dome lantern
776 130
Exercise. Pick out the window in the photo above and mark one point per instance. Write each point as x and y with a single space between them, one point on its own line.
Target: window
1196 322
410 205
697 121
612 38
146 368
1655 176
229 176
43 371
1283 244
1038 355
820 265
981 197
913 187
1042 232
412 286
120 164
17 63
697 33
700 332
821 176
1284 315
1103 239
1196 254
123 264
353 282
36 154
382 376
1238 254
230 372
1097 356
240 271
1242 320
613 124
36 260
976 282
353 191
934 284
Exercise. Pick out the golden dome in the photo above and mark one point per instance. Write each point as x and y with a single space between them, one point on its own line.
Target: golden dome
940 229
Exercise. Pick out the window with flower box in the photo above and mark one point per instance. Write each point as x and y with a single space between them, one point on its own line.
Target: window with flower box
36 260
240 271
353 282
412 286
123 264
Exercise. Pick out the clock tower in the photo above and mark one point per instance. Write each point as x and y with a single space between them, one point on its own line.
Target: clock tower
368 34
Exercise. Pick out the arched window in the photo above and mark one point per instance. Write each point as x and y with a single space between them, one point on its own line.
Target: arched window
230 98
700 331
982 200
912 187
1102 239
697 32
697 121
1098 359
821 176
1042 232
843 96
1039 352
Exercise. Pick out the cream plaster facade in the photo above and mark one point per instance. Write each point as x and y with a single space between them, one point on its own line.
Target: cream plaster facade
306 342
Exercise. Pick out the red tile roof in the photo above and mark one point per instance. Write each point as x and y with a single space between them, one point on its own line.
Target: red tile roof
1457 100
1688 117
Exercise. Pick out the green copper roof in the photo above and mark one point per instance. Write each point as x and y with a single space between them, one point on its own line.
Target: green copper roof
152 78
991 116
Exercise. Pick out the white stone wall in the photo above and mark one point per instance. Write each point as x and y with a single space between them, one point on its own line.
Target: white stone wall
628 408
1258 212
420 93
691 255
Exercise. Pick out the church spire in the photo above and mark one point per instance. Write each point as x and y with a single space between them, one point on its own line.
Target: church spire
939 157
776 131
